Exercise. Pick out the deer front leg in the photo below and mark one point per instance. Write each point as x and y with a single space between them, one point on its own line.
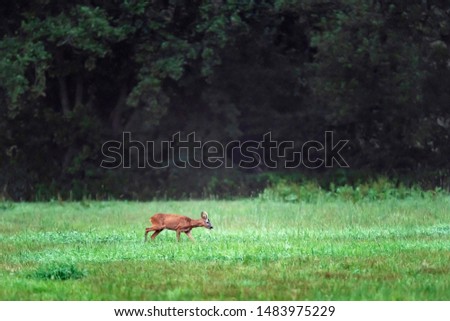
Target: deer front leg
178 235
188 233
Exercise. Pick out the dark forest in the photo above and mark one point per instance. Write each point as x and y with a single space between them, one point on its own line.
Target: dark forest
74 75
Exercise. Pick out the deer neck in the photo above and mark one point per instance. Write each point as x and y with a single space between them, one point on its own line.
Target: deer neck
197 223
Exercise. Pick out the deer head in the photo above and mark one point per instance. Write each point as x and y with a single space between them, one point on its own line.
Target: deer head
206 220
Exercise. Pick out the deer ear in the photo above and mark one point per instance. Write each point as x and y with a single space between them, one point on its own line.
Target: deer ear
204 215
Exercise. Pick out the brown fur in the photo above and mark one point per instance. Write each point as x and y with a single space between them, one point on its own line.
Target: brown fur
176 223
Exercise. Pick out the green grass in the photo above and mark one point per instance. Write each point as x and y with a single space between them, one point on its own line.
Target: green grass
258 250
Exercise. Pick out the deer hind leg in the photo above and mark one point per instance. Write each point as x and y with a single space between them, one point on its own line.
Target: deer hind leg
150 229
178 236
147 229
155 234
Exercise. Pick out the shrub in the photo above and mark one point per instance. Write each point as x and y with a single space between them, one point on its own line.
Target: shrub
372 190
59 271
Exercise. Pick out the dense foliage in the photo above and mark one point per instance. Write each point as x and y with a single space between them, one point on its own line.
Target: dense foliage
76 74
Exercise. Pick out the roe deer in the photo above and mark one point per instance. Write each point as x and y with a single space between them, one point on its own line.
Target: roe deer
176 223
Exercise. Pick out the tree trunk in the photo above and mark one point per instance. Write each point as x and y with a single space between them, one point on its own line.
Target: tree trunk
79 92
64 96
62 82
116 114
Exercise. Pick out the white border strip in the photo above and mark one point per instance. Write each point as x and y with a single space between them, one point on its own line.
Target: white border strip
254 310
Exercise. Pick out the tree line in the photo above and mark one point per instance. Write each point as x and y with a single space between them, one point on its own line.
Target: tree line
74 75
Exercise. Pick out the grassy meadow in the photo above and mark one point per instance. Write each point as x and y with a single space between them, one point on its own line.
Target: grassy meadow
258 250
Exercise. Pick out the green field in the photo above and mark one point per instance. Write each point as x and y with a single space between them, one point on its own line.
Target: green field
258 250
